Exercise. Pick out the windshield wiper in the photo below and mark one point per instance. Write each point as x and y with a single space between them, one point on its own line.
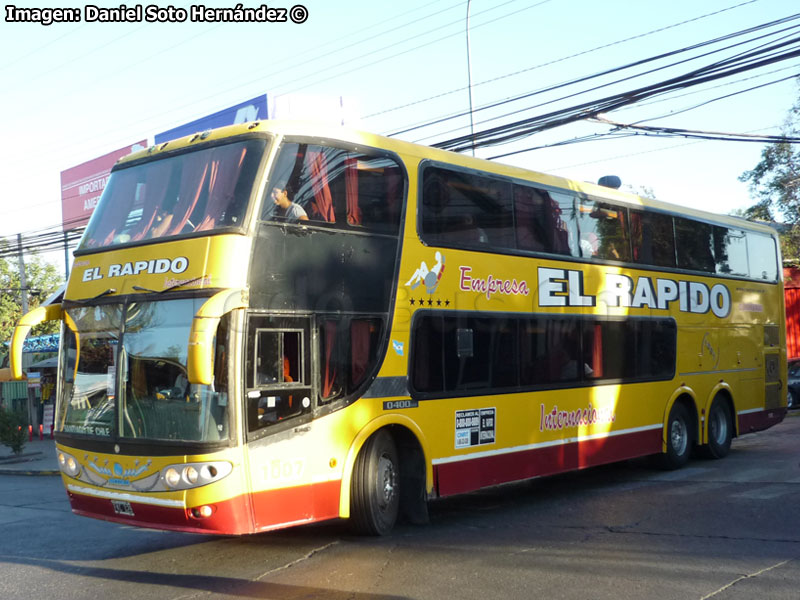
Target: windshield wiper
100 295
139 288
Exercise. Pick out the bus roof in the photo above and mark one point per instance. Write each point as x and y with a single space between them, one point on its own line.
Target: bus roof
355 137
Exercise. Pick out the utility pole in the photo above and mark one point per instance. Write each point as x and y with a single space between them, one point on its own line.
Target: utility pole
469 85
23 282
66 256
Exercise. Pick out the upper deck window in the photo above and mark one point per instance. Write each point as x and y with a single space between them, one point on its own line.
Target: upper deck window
481 211
192 192
335 187
466 209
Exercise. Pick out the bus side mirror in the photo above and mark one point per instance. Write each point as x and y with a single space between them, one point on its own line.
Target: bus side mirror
50 312
200 360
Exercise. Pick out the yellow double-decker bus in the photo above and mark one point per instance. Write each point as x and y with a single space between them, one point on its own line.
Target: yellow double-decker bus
272 324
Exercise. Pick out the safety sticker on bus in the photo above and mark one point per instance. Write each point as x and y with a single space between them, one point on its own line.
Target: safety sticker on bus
475 427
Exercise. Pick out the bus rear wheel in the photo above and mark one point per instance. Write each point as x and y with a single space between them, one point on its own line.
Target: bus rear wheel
375 490
679 439
720 430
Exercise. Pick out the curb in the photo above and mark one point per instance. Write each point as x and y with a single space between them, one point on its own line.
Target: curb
42 472
14 459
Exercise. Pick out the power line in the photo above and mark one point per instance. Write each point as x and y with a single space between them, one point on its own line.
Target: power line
558 60
730 66
261 78
621 68
699 134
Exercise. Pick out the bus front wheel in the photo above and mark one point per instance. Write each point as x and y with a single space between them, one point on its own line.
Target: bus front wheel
679 438
375 492
720 430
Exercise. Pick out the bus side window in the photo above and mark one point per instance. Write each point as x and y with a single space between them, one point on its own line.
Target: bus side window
539 224
762 255
267 364
730 251
695 245
653 239
604 230
466 209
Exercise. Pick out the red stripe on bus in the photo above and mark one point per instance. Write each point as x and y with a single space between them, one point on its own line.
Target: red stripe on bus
290 506
469 475
273 509
229 517
758 421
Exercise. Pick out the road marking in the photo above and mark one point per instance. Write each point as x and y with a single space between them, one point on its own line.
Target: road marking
767 492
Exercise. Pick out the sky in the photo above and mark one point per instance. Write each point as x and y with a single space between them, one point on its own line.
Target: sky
73 91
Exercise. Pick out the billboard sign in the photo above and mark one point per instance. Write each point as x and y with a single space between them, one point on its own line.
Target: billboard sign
244 112
82 186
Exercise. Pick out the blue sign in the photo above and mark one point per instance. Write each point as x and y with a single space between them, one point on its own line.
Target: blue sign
249 110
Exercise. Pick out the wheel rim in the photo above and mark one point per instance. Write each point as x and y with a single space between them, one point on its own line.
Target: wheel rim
387 480
718 427
679 437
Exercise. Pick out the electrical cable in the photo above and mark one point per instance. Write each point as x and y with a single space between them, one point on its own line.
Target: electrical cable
557 60
525 127
621 68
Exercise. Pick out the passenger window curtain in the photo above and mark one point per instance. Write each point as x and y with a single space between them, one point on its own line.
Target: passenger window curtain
597 352
351 187
359 349
224 171
195 170
323 201
153 192
329 368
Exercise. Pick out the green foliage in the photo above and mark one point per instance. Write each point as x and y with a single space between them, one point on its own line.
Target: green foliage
775 184
643 191
42 277
13 430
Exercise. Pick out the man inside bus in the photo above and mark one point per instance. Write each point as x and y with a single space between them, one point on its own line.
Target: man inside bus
285 209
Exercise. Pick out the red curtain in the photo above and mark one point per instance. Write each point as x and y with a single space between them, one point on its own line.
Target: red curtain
351 188
359 345
393 179
597 352
323 201
224 172
329 370
195 169
154 190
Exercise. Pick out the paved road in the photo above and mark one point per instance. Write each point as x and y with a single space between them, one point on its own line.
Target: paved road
727 530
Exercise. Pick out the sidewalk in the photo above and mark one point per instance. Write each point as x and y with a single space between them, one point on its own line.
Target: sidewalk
38 458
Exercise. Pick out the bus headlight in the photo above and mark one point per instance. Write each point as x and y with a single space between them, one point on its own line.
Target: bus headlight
68 464
172 477
191 475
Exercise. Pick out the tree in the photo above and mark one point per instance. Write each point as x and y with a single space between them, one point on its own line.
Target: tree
13 432
775 184
43 278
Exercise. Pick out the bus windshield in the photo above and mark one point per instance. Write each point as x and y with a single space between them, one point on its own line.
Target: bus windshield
124 374
192 192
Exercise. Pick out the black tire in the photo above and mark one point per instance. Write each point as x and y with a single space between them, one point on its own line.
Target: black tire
791 399
679 439
375 490
720 430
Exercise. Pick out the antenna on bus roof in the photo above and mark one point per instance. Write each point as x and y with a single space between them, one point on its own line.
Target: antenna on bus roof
610 181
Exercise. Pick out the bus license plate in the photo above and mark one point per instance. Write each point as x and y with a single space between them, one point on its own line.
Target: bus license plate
122 507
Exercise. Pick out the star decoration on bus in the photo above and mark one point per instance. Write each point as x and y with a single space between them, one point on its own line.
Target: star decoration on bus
429 302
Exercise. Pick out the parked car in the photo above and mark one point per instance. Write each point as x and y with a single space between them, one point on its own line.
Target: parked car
794 384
